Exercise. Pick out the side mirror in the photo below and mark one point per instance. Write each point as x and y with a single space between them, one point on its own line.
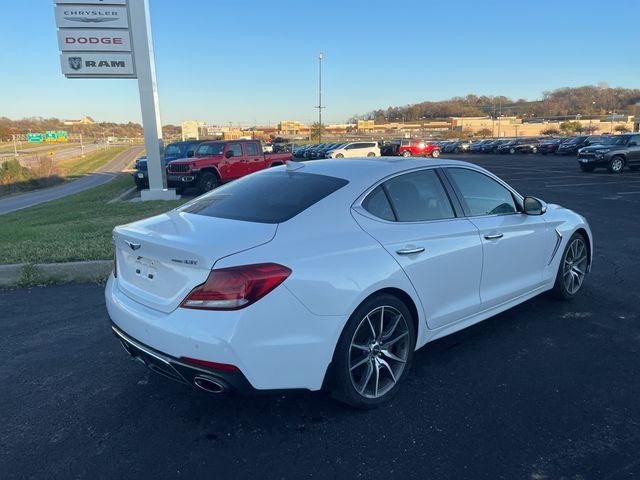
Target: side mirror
228 153
534 206
190 154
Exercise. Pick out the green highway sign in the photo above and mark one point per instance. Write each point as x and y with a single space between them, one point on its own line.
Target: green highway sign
34 137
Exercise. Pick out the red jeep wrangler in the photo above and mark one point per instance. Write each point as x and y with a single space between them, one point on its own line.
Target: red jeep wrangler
408 147
217 162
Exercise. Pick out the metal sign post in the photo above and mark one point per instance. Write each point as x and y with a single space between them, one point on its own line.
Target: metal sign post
147 86
112 39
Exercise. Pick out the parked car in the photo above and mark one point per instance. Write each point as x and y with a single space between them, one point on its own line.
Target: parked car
322 153
519 145
333 270
413 147
171 152
614 153
477 146
355 149
492 146
459 146
310 152
550 145
217 162
572 145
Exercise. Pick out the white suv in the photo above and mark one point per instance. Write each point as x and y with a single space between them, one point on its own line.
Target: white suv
355 149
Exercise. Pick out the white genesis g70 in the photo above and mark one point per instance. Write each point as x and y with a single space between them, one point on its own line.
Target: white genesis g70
330 274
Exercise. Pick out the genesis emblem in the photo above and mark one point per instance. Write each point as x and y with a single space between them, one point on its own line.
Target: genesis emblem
133 246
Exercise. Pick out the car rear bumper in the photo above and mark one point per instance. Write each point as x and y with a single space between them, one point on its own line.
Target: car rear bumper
212 381
276 343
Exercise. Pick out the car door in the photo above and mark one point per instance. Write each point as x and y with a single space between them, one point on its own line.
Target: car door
633 158
254 157
514 245
351 150
414 219
235 165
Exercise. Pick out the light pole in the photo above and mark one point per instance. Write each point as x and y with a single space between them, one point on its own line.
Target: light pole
319 107
15 149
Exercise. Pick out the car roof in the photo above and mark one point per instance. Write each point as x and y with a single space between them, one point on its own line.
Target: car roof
371 169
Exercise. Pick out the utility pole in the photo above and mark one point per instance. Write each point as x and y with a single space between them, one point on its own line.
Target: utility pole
81 147
15 148
319 107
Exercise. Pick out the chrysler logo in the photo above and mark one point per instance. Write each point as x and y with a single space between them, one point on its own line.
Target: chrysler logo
90 20
132 245
75 62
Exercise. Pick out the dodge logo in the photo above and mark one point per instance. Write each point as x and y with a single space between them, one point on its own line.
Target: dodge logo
75 62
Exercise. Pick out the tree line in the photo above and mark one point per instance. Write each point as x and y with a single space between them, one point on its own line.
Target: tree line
96 131
588 100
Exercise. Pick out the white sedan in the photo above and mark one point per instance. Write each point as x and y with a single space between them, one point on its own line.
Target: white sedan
332 273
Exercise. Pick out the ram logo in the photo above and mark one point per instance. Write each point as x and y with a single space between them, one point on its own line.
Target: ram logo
75 63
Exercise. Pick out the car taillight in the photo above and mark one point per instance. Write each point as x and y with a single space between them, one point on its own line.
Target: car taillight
236 287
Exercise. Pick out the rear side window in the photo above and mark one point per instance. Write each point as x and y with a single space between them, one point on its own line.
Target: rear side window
419 197
269 197
377 204
252 148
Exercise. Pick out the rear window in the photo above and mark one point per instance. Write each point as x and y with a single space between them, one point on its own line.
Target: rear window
269 197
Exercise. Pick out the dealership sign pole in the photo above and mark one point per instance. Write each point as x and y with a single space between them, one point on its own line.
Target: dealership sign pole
112 39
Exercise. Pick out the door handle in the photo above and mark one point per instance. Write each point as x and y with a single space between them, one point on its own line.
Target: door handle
494 236
410 251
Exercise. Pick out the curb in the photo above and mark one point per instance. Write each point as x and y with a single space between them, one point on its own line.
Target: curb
27 274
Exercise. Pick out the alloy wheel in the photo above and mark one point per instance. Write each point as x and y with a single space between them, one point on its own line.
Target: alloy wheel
379 351
575 266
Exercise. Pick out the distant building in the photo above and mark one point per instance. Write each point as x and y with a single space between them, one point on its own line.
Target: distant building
365 126
289 127
83 121
191 129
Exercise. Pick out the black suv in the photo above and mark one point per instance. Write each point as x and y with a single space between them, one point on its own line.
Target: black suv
613 153
573 144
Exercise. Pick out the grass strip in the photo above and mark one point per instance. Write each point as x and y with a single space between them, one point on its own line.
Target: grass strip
74 228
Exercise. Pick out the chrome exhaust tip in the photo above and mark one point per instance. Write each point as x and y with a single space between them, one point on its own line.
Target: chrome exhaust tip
208 384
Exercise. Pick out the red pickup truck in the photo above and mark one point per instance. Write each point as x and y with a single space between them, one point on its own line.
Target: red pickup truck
217 162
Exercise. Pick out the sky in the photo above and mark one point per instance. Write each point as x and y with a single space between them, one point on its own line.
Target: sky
253 61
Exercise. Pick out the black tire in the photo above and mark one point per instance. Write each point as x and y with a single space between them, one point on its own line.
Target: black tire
534 150
512 150
560 289
139 183
435 153
339 155
616 165
371 154
456 150
587 168
349 360
207 181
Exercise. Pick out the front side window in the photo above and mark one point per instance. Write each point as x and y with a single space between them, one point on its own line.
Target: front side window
206 149
236 149
418 197
482 194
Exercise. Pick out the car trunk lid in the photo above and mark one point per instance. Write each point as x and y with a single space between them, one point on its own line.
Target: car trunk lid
161 259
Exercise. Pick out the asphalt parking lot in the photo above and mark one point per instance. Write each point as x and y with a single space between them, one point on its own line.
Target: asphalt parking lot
547 390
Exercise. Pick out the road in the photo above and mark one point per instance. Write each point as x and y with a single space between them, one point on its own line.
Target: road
548 390
30 156
109 171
